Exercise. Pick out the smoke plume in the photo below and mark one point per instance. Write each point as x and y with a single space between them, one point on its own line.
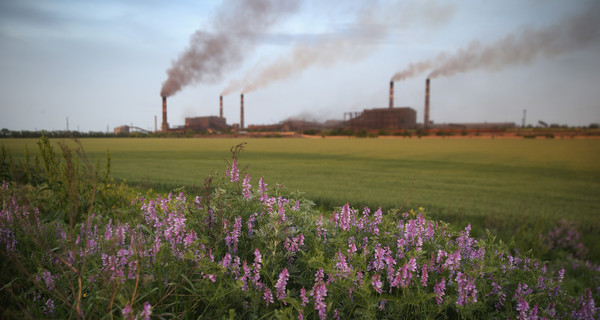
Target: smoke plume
372 24
237 25
518 48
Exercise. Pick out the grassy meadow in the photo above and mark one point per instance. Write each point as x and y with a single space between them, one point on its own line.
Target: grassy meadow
506 185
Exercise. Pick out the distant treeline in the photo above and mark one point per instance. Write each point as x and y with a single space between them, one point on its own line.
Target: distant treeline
5 133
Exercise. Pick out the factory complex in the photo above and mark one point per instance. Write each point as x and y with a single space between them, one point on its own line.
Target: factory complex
391 119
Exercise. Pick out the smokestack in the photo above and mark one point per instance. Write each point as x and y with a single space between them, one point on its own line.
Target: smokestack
155 123
221 106
242 111
391 94
426 120
165 125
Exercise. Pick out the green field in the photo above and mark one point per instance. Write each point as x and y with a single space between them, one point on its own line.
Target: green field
500 184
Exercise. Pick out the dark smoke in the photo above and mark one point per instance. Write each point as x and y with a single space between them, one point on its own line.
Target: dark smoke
519 48
372 24
237 25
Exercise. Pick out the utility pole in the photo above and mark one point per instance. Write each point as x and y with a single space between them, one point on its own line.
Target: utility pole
524 114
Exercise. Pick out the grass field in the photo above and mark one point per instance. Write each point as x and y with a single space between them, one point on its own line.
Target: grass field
501 184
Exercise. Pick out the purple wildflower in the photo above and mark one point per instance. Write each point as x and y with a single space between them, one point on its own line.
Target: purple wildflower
586 308
424 275
376 283
251 221
561 275
234 173
108 233
147 311
377 221
49 280
225 261
453 261
281 283
551 311
497 290
319 275
361 224
268 296
382 304
467 292
49 309
292 245
281 208
351 246
257 266
263 190
303 297
212 277
533 313
359 279
190 238
522 307
155 247
321 232
232 237
342 265
346 217
439 290
126 311
247 275
246 187
319 293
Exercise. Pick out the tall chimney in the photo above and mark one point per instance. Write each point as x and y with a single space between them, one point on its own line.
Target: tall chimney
221 106
391 94
165 125
426 120
242 111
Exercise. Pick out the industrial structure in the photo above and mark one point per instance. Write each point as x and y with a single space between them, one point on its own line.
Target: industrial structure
209 124
426 113
242 111
391 118
384 118
165 124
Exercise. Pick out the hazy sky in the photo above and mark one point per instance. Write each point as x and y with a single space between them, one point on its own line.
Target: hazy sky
103 63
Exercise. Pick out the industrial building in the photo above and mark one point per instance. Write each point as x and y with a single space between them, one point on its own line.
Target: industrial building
121 130
202 124
385 118
390 118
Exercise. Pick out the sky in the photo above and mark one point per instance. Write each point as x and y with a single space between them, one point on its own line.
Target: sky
103 64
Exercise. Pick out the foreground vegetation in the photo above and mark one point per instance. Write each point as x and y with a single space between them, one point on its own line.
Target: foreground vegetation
76 245
511 187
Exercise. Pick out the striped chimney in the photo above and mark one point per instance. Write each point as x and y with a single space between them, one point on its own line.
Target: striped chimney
242 111
391 94
426 120
165 125
221 106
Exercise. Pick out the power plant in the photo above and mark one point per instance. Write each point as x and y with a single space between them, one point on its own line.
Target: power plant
391 118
